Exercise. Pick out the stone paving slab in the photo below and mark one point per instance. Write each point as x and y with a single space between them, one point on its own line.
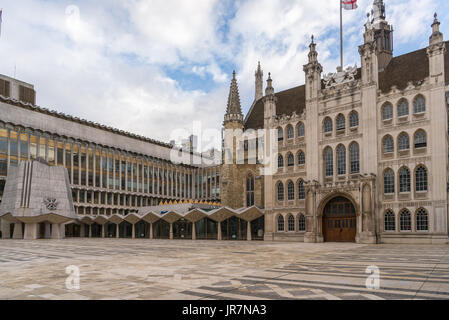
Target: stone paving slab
128 269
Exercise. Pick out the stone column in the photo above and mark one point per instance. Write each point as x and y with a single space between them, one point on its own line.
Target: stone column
133 235
82 230
193 231
248 231
90 231
171 231
102 230
117 231
151 231
30 231
6 233
220 237
55 231
18 234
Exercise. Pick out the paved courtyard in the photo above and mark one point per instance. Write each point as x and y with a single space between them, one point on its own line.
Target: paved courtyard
163 269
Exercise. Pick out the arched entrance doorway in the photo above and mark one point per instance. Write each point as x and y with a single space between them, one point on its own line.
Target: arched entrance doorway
339 221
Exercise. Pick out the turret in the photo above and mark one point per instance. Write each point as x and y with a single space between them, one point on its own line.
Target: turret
383 34
270 99
234 109
313 72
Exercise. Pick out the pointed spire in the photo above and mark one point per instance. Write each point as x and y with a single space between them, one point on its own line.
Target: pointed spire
313 54
436 24
378 11
270 89
436 36
234 108
259 83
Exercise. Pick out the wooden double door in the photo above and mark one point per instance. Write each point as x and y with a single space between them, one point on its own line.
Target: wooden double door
339 221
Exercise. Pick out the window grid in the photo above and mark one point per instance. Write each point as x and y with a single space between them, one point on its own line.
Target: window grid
301 130
422 220
291 191
354 158
290 132
281 191
280 134
403 142
341 122
390 223
389 182
421 179
404 180
301 190
328 125
302 223
281 224
291 160
420 140
280 161
329 162
387 112
301 158
291 223
419 105
388 144
405 221
341 160
403 108
353 120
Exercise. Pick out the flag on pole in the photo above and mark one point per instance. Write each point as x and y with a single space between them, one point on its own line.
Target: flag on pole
349 4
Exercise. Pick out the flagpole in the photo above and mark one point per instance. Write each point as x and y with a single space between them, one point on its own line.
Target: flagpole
341 35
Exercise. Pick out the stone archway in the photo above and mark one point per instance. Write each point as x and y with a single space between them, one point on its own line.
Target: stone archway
339 220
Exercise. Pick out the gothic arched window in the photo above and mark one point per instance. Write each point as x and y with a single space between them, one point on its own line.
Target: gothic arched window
328 162
341 122
281 224
291 223
328 125
290 160
419 104
301 130
390 221
290 132
387 111
250 190
280 161
301 158
354 157
389 181
280 134
403 108
388 144
421 179
291 191
353 120
403 142
420 139
404 180
422 220
341 160
302 223
405 220
301 190
280 191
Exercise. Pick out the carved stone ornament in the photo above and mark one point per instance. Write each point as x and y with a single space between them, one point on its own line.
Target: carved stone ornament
51 203
340 77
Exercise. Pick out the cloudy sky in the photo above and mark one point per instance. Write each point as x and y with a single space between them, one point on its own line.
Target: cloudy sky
154 66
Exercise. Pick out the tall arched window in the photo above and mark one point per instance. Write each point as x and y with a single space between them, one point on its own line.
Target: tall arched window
387 111
421 179
354 157
341 122
290 160
281 224
290 132
390 221
403 142
388 144
419 104
341 160
420 139
291 191
301 130
328 162
302 223
291 223
301 190
280 191
280 161
353 120
328 125
280 134
422 220
404 180
301 158
389 181
250 190
403 108
405 220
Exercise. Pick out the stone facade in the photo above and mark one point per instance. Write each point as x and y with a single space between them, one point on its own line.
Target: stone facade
375 136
